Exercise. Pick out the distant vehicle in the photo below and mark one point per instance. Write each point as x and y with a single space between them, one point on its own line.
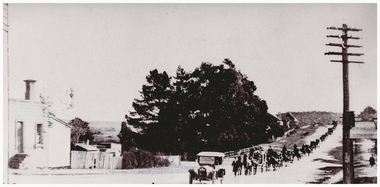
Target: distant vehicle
209 167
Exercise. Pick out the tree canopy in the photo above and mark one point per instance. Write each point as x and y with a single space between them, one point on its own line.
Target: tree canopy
80 131
368 113
209 108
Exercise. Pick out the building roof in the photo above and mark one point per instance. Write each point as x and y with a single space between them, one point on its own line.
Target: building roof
287 116
273 117
364 130
211 154
59 121
87 147
294 118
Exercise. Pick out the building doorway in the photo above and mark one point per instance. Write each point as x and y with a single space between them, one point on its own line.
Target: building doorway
20 137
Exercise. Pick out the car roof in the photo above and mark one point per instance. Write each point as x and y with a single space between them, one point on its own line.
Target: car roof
210 153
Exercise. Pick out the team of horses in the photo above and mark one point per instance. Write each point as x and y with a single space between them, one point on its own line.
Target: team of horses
259 160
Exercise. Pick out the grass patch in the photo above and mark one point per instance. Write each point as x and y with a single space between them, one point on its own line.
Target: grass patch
327 161
362 180
365 180
336 153
328 171
296 137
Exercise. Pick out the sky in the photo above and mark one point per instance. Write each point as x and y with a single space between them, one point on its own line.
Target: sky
105 51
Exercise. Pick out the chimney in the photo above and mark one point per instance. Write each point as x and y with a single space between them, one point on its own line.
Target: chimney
29 93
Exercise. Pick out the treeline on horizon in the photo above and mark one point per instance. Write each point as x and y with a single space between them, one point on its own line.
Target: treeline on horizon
322 117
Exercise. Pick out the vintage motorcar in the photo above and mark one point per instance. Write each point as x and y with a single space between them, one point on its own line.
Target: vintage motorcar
209 167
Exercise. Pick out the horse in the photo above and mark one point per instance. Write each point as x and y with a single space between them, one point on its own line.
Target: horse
297 153
287 157
313 145
303 149
248 168
330 130
255 165
272 160
307 150
240 166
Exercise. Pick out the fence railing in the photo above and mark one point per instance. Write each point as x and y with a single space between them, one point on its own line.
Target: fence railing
94 160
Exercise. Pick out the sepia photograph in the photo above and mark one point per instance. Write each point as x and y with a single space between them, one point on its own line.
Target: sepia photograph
190 93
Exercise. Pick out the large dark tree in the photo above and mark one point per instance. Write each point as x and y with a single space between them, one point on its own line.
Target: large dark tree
210 108
126 137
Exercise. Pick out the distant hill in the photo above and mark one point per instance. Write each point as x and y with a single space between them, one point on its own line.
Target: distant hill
105 131
317 117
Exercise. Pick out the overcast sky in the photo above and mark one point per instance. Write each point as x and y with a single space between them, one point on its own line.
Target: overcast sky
104 52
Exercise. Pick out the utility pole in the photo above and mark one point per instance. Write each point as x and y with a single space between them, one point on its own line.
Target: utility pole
6 61
348 116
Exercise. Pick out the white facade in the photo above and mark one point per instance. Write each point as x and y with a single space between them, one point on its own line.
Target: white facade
46 145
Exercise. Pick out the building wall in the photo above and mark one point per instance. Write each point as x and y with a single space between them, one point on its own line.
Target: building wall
59 145
28 113
54 137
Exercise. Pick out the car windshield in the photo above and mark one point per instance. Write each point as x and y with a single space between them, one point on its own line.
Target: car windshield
206 160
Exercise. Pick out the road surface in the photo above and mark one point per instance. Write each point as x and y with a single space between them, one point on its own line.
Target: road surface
304 171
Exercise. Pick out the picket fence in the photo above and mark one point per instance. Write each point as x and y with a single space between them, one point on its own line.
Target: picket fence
94 160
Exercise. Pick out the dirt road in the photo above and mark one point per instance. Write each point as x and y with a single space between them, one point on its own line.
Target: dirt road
306 170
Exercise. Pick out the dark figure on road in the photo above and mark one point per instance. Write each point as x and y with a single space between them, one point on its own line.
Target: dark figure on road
372 160
270 151
235 166
239 164
303 149
283 151
254 166
307 150
245 163
297 153
272 161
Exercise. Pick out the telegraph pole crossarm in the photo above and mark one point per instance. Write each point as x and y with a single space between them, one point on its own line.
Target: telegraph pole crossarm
340 45
358 62
337 36
349 54
344 28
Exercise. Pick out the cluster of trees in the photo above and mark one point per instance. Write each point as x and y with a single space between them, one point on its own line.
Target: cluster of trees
210 108
322 117
368 113
80 131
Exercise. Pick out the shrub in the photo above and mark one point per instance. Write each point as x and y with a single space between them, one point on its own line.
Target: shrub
160 162
129 160
137 158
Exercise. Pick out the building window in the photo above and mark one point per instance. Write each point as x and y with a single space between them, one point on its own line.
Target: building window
39 137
